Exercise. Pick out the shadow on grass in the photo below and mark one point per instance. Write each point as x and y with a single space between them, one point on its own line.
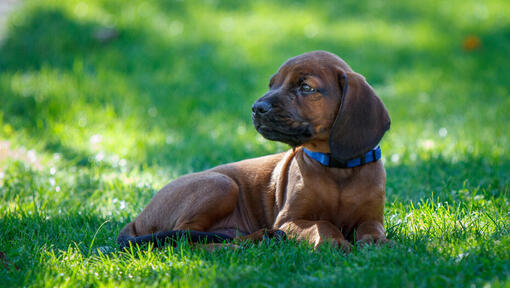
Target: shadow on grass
442 179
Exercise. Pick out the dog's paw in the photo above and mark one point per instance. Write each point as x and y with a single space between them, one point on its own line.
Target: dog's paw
341 244
369 240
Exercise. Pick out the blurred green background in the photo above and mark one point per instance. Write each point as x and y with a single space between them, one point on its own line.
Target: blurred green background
174 85
103 102
169 84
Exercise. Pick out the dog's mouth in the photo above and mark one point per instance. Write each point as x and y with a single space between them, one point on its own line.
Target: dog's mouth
283 129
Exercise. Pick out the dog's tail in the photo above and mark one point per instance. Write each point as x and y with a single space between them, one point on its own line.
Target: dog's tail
127 236
161 238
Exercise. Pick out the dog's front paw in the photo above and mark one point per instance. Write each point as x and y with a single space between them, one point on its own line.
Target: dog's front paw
369 240
341 244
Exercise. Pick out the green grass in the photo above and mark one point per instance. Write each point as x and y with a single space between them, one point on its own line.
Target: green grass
95 129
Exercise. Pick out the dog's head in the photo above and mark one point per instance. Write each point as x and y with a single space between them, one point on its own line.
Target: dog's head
316 100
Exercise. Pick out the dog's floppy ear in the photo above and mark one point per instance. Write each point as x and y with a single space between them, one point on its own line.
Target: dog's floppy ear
361 120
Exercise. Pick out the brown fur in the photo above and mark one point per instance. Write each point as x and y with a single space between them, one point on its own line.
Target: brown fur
290 191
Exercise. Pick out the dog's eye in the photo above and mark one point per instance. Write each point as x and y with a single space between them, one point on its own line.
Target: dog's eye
306 88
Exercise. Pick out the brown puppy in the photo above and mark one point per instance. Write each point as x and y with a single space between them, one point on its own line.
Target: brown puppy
317 103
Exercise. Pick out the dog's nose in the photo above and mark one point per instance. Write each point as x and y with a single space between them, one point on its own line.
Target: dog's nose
261 107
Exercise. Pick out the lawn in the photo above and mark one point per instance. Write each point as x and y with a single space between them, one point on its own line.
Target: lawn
102 102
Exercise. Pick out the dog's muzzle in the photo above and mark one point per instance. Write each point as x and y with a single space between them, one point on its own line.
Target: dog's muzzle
274 123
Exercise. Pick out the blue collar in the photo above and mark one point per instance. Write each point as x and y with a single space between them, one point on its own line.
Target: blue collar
327 160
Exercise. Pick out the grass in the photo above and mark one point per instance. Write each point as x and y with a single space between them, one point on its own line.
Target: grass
94 128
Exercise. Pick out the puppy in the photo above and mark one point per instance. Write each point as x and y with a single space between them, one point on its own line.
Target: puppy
329 188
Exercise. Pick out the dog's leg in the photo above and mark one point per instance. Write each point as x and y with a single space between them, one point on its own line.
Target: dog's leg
263 234
371 232
193 202
316 233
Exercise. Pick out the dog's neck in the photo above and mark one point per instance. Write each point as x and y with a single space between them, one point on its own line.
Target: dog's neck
320 145
327 160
